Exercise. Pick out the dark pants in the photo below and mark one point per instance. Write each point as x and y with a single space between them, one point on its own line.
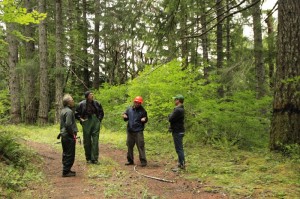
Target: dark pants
91 130
138 139
68 157
178 137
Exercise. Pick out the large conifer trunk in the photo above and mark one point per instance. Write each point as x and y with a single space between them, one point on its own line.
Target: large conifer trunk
59 81
258 51
44 79
96 82
30 100
285 127
14 81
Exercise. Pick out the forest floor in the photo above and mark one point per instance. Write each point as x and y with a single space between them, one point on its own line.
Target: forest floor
112 179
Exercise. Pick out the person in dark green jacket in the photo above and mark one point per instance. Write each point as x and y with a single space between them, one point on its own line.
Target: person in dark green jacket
176 119
68 132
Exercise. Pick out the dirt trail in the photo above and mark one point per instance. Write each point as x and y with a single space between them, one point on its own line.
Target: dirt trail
128 185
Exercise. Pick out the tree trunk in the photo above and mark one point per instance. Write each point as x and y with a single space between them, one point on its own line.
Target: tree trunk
204 42
74 40
44 80
285 126
228 55
59 81
184 41
30 100
86 75
14 81
258 51
271 49
96 81
220 54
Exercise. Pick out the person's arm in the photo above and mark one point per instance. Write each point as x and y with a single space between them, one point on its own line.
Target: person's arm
174 115
69 122
78 111
100 111
125 116
144 118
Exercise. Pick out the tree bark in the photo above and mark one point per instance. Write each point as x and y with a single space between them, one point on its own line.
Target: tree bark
30 100
74 40
86 75
271 49
44 80
204 42
96 82
228 39
184 41
258 51
59 81
220 54
14 81
285 126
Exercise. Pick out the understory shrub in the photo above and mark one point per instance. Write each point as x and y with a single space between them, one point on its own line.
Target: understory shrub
17 170
238 119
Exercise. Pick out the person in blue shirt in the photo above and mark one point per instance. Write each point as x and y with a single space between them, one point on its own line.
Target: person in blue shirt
136 118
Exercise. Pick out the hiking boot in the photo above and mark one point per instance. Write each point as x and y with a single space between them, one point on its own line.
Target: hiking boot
95 162
69 174
175 169
89 162
73 172
181 166
129 163
143 164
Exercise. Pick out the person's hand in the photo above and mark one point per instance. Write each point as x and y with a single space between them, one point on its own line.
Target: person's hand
143 119
124 116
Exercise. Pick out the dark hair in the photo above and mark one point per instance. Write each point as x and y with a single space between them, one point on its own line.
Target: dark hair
86 94
181 100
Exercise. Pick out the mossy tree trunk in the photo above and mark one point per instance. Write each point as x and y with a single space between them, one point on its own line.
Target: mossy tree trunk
285 127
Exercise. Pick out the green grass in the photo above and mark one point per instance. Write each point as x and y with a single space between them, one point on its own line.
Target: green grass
18 165
255 174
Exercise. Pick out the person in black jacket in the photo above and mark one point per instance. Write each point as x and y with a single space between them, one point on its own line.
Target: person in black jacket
90 114
68 132
176 119
136 116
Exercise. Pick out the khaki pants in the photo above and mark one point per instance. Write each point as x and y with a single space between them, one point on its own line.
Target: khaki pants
138 139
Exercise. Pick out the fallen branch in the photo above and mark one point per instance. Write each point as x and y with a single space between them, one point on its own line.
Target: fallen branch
152 177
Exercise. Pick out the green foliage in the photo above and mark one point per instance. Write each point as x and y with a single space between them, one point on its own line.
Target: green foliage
17 170
12 13
239 173
238 119
4 106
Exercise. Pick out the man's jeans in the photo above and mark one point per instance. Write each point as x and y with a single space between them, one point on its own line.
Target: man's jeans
178 137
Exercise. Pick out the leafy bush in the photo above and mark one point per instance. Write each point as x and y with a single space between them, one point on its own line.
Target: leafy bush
4 106
238 119
17 170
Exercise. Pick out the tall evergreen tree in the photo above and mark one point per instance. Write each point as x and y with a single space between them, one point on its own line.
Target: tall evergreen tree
285 126
96 81
59 68
44 79
30 101
258 50
14 79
